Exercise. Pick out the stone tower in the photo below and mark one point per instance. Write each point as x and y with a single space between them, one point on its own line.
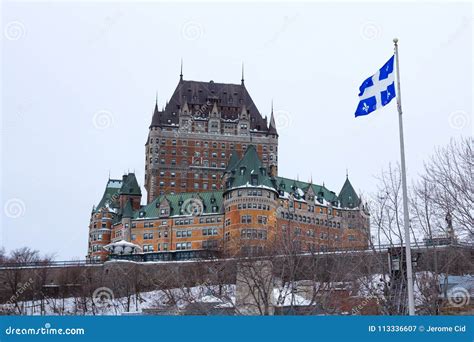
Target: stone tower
190 140
250 206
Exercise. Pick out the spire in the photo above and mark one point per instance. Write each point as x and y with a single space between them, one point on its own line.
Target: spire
347 173
242 80
272 128
347 196
181 73
156 120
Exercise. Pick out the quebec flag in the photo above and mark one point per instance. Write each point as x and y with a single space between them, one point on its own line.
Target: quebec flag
377 90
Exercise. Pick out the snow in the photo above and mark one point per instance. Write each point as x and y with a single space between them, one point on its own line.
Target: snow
285 297
122 246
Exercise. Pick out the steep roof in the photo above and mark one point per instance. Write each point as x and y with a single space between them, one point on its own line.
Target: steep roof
179 204
130 185
110 196
233 160
200 96
249 171
287 183
128 210
272 127
347 196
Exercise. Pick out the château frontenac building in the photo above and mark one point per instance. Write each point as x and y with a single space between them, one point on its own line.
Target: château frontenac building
212 183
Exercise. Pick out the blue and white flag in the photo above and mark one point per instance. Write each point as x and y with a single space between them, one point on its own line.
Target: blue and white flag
377 90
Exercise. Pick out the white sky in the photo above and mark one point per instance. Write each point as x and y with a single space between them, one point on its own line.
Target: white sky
64 63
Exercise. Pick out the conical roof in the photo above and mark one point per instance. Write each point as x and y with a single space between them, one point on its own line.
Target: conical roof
249 171
347 196
130 185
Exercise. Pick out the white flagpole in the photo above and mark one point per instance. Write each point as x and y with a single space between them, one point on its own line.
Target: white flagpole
411 299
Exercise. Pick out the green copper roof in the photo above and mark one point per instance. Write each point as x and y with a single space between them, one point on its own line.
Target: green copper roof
128 210
347 196
249 170
110 196
183 204
234 159
130 185
286 184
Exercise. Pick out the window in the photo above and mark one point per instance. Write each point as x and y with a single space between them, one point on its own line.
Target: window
255 234
246 219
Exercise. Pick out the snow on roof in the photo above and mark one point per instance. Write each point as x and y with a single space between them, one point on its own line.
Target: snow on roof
121 246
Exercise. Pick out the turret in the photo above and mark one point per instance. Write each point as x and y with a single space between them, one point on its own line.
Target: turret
347 196
250 204
130 190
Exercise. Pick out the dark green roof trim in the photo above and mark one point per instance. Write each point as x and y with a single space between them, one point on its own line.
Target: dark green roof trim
130 185
249 171
181 204
347 196
287 183
110 196
233 160
127 210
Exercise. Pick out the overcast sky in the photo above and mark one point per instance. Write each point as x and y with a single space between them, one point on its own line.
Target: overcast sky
79 84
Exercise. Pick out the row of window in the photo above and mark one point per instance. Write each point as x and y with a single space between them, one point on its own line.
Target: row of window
164 245
172 184
150 236
246 219
210 244
184 233
184 175
184 162
307 219
209 231
183 246
259 206
311 233
254 234
96 248
206 144
96 237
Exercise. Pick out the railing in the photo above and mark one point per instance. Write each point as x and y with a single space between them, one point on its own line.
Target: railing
70 263
374 248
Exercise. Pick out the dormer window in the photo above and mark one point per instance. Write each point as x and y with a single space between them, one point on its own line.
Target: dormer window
242 170
254 179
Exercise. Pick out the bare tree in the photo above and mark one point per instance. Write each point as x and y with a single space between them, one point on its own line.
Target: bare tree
450 175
